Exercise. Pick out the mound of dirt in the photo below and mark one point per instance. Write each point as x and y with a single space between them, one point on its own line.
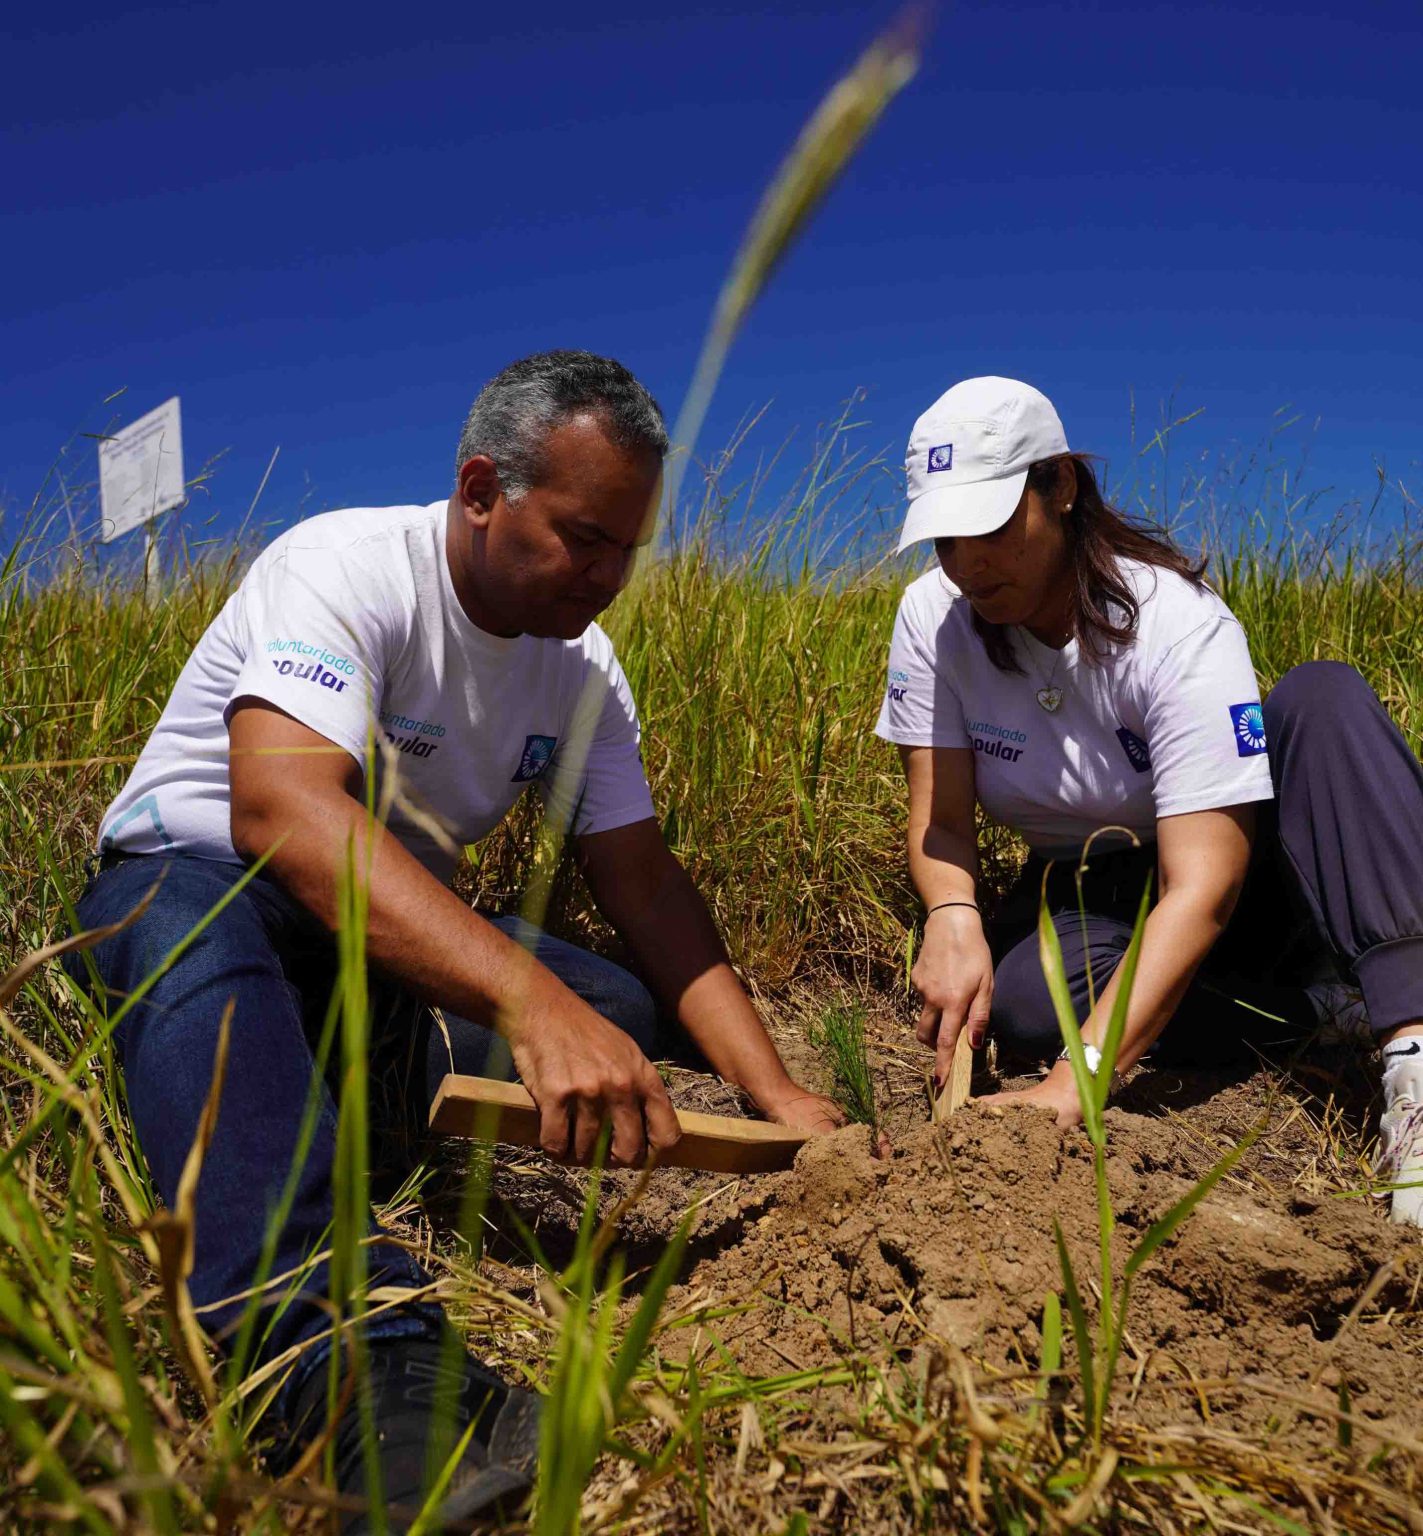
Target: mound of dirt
1276 1292
1261 1292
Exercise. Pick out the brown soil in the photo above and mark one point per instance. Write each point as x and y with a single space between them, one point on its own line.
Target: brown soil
957 1228
1276 1288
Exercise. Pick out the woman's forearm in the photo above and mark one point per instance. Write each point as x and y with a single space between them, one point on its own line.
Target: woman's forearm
943 863
1179 933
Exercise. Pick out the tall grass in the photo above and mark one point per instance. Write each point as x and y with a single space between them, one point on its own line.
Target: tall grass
758 673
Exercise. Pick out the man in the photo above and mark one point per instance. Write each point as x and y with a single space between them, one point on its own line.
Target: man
463 633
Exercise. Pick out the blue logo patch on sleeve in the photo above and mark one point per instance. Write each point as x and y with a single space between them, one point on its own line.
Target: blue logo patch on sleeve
941 458
1248 721
1138 754
538 750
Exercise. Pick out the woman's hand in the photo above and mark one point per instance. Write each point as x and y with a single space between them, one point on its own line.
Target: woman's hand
954 976
1057 1092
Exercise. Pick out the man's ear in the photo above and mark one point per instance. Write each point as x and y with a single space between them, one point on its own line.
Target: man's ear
478 489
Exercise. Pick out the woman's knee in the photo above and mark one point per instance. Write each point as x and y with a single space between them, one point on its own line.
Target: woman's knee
1022 1018
1316 691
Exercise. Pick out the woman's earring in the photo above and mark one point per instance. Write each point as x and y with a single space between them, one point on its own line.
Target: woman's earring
1068 507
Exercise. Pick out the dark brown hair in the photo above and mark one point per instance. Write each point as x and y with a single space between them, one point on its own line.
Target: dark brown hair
1104 607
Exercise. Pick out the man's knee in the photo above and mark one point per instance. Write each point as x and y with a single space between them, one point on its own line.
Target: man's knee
623 1000
218 958
1315 691
607 988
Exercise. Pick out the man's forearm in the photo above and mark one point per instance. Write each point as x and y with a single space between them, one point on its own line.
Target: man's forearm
667 926
418 930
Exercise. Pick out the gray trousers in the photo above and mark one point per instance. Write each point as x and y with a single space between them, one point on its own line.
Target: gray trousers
1334 894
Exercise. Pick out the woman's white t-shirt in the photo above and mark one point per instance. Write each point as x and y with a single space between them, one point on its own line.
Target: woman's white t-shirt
349 623
1167 724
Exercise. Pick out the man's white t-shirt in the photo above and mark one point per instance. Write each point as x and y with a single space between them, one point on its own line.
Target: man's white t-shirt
1167 724
349 623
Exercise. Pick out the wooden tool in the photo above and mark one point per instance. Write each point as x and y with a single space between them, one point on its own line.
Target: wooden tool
956 1090
495 1111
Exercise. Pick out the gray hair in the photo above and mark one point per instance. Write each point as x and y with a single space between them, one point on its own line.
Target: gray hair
516 410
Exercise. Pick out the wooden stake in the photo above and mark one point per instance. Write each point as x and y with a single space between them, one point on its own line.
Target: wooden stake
489 1110
956 1090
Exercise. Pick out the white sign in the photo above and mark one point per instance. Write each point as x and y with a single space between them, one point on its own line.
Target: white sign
141 471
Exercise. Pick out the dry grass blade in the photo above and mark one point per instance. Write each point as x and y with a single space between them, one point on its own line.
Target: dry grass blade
1092 1490
27 967
173 1230
83 1106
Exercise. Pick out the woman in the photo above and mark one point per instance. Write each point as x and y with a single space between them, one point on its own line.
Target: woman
1071 671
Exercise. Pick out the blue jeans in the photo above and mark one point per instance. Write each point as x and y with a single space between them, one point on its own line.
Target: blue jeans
277 965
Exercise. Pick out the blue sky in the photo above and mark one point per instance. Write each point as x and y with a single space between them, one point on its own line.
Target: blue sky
324 229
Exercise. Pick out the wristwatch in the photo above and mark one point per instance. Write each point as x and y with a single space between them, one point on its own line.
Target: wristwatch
1093 1055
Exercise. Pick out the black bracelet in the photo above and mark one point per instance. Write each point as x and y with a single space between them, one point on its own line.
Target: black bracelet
943 904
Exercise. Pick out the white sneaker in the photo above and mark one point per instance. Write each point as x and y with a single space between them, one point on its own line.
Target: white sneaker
1401 1129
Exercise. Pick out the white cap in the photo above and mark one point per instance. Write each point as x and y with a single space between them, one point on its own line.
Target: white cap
969 456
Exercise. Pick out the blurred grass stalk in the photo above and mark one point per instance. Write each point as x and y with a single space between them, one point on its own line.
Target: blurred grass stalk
825 146
822 151
585 1395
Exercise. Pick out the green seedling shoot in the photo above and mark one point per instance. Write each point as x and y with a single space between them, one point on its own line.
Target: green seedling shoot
1097 1355
840 1035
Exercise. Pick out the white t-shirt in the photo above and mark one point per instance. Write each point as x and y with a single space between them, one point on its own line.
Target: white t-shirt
348 621
1168 724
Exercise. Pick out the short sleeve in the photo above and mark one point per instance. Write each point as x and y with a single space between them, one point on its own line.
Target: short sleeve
1204 726
313 626
921 706
608 788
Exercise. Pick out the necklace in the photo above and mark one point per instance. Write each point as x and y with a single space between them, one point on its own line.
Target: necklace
1049 696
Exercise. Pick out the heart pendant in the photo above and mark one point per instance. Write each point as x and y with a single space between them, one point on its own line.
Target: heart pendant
1050 698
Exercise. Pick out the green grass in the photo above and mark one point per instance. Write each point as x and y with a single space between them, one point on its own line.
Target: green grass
759 679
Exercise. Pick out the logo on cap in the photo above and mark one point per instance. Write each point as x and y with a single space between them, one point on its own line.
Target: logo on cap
941 457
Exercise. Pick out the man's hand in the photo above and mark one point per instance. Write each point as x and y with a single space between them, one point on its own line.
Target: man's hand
649 898
583 1072
1057 1092
954 976
802 1110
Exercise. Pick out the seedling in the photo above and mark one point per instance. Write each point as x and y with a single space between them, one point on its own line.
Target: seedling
841 1035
